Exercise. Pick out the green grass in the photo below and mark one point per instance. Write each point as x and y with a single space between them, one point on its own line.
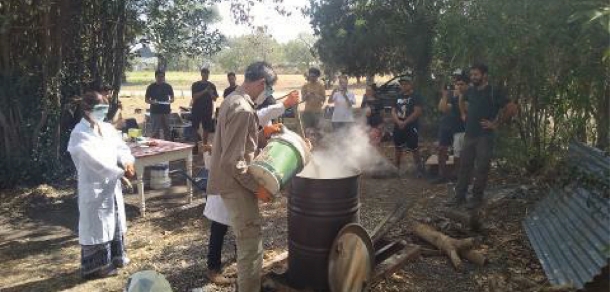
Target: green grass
180 79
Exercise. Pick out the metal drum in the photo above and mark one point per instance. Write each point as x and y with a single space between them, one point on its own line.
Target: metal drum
284 156
317 210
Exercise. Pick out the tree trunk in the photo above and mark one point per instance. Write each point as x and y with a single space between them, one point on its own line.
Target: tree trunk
602 119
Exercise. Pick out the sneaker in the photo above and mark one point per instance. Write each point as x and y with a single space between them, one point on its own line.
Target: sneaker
217 278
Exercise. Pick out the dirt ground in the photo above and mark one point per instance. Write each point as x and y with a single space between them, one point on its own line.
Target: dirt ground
39 249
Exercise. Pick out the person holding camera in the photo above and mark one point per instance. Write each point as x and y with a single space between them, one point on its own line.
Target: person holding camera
343 101
451 128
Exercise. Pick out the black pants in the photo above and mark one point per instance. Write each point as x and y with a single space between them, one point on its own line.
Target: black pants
475 156
217 236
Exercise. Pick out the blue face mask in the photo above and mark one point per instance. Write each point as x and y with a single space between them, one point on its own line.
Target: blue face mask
99 112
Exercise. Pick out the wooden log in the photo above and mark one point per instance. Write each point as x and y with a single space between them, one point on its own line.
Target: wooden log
395 262
473 256
450 246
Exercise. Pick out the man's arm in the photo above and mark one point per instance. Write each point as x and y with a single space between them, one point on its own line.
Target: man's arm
417 112
147 97
443 104
171 94
463 107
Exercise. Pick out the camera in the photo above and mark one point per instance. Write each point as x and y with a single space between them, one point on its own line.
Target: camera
449 87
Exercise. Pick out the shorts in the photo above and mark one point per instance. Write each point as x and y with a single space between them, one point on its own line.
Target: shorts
203 118
311 119
458 144
406 139
445 137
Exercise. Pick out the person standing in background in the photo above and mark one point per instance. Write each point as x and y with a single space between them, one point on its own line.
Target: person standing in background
314 95
232 84
160 96
406 114
451 128
204 95
344 101
372 110
483 108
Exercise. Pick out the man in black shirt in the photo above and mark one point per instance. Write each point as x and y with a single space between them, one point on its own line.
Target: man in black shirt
204 94
450 124
406 113
232 85
160 95
487 107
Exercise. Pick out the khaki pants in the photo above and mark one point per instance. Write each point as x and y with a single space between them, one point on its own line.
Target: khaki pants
475 157
242 206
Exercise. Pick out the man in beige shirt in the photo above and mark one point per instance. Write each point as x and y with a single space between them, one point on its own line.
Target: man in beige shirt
234 147
314 95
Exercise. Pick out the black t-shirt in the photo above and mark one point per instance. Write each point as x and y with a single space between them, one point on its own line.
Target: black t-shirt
482 104
405 106
452 120
160 93
376 108
229 90
205 102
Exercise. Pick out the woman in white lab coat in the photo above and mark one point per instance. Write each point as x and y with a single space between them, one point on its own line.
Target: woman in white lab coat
101 159
215 209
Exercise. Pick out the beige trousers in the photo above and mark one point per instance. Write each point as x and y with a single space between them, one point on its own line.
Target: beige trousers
246 223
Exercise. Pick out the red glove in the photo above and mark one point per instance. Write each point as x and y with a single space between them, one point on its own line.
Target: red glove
272 129
263 194
292 99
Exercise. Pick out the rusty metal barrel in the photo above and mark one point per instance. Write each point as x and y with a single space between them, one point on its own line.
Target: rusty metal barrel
317 210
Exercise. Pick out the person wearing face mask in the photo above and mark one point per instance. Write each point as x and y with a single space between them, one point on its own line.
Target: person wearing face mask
215 209
101 159
234 146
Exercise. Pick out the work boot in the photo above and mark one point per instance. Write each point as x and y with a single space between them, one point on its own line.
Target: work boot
216 277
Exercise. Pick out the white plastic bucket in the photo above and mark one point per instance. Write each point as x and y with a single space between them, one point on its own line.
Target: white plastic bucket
159 176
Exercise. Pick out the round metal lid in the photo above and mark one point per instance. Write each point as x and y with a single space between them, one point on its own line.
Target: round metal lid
351 260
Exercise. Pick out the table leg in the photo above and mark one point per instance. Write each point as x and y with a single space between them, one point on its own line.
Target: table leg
189 171
140 182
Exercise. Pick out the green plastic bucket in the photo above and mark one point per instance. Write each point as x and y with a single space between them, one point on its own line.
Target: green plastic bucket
284 156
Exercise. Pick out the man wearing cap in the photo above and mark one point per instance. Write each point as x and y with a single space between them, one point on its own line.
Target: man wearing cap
483 109
314 95
406 113
234 147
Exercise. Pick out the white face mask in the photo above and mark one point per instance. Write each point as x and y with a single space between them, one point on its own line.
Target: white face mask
99 112
268 91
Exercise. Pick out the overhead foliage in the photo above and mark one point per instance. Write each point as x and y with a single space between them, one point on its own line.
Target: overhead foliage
51 50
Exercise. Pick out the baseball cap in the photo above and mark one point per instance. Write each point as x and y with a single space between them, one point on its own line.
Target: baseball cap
458 72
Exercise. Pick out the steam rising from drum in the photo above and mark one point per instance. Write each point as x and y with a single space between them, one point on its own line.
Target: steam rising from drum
345 154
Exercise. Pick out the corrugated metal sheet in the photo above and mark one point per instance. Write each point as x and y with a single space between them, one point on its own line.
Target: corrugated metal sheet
590 160
570 229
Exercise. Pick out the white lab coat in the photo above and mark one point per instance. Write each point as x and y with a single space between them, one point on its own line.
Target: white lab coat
99 180
215 209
